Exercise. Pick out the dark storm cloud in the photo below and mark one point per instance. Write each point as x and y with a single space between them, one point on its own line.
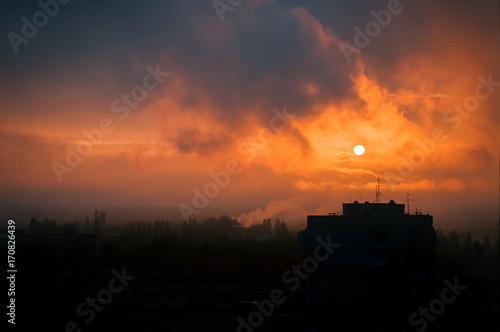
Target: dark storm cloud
266 61
89 46
436 32
192 140
92 45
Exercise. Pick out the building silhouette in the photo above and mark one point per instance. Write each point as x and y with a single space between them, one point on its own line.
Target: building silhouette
383 270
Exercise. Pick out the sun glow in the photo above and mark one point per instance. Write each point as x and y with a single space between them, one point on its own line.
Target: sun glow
359 150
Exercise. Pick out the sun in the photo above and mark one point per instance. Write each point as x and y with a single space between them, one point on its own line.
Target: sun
359 150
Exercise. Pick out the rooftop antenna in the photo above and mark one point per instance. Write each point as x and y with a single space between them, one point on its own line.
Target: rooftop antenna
408 201
360 198
377 191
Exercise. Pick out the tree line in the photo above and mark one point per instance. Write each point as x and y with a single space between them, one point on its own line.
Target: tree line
456 244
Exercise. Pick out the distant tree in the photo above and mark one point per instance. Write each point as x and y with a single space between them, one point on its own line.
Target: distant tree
172 239
268 225
468 243
139 230
282 231
47 227
284 228
148 232
225 241
255 231
206 256
130 233
487 246
454 243
162 228
166 229
442 243
87 225
184 230
34 225
157 230
215 227
194 228
478 249
277 226
226 224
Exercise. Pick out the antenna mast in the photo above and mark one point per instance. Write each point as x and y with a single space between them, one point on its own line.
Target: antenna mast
408 201
377 191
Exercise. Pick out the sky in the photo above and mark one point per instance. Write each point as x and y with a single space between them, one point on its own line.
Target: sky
251 108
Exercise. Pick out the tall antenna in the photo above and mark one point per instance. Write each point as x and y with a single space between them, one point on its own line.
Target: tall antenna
408 201
377 191
360 198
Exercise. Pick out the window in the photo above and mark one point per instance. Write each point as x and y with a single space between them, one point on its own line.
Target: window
379 238
378 254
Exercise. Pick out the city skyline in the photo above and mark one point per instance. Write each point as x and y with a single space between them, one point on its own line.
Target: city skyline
166 96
